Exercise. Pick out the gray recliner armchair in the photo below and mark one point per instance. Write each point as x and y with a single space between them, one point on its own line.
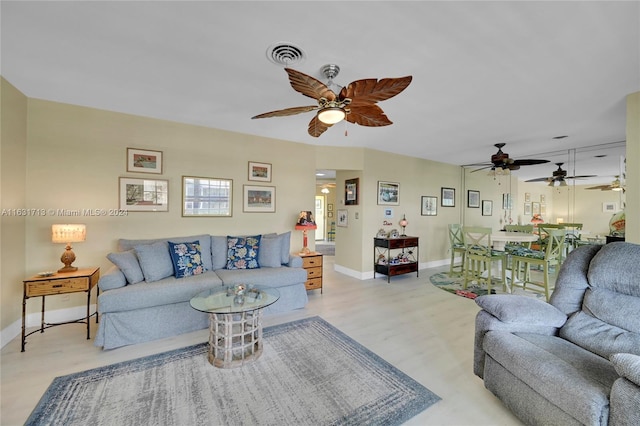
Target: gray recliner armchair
576 359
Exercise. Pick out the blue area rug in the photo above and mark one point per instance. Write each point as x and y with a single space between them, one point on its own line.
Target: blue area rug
454 285
310 373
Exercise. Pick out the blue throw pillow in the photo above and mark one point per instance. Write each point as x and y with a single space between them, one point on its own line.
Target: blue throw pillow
128 263
187 259
242 252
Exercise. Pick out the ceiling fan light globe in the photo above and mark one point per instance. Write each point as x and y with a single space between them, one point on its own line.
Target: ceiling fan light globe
331 115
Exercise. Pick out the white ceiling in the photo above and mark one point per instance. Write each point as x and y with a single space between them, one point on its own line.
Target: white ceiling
483 72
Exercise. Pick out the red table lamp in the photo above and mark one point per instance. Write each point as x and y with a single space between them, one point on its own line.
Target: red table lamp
304 224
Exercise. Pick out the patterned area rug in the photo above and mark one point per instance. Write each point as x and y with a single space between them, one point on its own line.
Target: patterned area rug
310 373
454 285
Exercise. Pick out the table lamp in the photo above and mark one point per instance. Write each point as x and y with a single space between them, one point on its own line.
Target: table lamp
403 223
537 219
304 224
67 234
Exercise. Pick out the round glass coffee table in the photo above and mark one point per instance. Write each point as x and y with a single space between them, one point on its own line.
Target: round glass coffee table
235 322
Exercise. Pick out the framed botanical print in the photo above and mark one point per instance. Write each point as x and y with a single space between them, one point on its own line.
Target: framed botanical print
487 207
447 197
351 191
429 206
473 199
343 218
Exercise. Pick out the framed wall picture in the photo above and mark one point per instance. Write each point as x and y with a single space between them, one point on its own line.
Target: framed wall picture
203 196
487 207
388 193
343 218
144 161
535 208
473 199
429 206
447 197
527 197
527 209
259 171
329 207
351 188
144 195
259 199
609 207
507 202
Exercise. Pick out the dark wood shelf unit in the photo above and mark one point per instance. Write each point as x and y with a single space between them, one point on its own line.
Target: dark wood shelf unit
405 244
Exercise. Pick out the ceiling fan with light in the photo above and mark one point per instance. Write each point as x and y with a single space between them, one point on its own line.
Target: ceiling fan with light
613 186
501 161
558 178
355 103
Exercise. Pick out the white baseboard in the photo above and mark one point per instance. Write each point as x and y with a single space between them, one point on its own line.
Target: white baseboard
33 320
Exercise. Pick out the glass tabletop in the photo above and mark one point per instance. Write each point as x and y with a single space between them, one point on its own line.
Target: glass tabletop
235 299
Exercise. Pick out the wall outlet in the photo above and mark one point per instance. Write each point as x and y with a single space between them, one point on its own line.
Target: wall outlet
357 215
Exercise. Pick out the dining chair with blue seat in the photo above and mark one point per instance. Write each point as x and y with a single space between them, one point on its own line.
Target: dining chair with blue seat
480 257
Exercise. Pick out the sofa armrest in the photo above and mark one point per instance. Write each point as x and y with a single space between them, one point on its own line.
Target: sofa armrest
113 278
625 392
294 261
512 313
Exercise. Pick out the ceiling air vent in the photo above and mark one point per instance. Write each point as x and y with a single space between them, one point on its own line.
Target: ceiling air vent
285 54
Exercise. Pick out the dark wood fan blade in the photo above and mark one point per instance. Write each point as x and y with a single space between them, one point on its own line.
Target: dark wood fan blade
368 115
544 179
580 177
287 111
371 90
529 162
317 127
309 86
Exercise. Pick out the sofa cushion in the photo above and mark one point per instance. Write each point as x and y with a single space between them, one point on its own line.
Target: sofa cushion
286 247
578 380
205 245
187 259
270 254
167 291
113 278
612 268
128 264
155 261
272 277
219 251
242 252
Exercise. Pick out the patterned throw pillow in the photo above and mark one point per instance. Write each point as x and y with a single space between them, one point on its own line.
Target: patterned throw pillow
242 252
187 259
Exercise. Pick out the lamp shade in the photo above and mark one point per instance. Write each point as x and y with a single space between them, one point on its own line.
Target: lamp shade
306 220
537 219
331 115
67 233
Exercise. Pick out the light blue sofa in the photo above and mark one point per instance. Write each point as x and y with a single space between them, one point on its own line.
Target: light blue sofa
142 300
576 359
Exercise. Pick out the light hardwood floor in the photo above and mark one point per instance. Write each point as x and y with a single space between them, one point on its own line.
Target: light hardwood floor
423 331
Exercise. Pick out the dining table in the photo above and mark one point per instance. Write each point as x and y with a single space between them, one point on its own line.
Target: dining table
501 238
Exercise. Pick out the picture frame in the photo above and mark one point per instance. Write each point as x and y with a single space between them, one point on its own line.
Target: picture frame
507 201
429 205
447 197
388 193
543 209
487 208
343 218
535 208
527 197
473 199
144 161
143 195
542 199
207 197
351 191
258 199
609 207
330 214
527 209
260 172
388 213
329 207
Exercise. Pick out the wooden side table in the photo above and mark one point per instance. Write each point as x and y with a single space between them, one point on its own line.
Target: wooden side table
312 262
60 283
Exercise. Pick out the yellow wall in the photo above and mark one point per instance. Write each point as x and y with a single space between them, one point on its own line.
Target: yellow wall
13 148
